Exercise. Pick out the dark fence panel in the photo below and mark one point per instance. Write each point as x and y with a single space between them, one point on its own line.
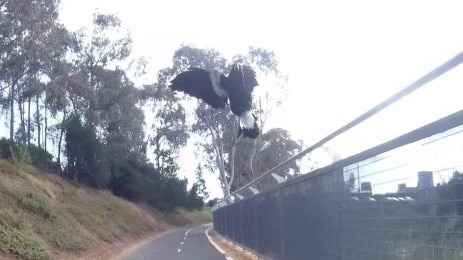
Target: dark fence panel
400 200
237 224
250 228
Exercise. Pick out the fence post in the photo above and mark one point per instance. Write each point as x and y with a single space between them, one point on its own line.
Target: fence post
226 221
232 209
242 222
256 224
281 220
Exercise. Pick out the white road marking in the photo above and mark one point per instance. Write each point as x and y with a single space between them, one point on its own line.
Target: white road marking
179 250
188 231
184 238
181 243
213 243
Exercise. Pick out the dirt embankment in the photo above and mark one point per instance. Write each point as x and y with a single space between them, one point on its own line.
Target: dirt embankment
43 216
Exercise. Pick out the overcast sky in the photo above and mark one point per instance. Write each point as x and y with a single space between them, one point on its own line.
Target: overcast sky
342 57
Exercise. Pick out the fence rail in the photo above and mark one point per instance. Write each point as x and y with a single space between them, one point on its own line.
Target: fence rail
402 199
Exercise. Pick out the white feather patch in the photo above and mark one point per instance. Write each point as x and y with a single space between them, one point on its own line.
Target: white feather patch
247 120
214 75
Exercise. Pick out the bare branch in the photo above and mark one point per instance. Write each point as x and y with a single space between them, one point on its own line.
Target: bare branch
232 171
252 156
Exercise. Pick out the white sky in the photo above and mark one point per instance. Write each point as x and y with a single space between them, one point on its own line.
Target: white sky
342 57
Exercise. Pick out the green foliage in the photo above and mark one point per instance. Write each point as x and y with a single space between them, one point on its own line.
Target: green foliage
139 181
64 237
42 159
32 43
175 193
28 212
32 203
195 200
451 194
136 181
21 242
16 232
273 147
39 156
200 183
276 147
87 158
11 150
28 154
212 202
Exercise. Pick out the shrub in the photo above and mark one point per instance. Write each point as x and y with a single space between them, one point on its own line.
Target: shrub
10 150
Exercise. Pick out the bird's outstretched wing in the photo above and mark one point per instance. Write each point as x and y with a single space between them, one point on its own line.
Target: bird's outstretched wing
197 83
239 85
249 78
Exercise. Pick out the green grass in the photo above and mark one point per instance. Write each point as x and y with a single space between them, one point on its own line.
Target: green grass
207 211
17 236
21 242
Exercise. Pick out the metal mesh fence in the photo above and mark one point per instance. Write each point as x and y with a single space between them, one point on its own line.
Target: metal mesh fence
400 200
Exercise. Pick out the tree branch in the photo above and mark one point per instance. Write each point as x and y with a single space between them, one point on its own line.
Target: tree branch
222 171
253 154
232 171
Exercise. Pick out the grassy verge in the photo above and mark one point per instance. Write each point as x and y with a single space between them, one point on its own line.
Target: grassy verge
232 250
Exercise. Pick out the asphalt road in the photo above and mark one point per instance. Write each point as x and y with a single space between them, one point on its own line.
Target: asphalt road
187 244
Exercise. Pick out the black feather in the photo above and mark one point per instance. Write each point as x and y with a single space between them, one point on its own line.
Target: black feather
197 83
250 80
252 133
239 85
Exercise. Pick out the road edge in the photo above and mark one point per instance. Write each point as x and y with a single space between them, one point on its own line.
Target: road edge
215 244
230 249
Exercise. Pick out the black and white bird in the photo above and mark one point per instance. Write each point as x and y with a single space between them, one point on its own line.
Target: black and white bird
217 90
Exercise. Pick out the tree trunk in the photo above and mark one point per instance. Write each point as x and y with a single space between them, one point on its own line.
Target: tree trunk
252 156
22 124
38 120
223 177
29 122
232 163
263 118
45 127
221 166
58 159
12 112
157 149
226 191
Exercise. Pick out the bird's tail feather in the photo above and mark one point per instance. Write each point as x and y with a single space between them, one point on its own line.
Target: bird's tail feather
252 133
248 126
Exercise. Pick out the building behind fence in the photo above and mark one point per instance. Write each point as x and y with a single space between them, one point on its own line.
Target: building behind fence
400 200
